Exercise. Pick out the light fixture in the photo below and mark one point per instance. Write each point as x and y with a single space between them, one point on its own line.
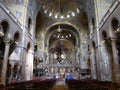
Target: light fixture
58 50
78 10
66 36
16 42
61 17
73 14
56 16
117 30
45 11
61 9
69 35
68 16
50 14
59 29
1 31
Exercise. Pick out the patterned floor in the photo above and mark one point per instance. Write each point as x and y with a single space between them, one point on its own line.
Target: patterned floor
60 86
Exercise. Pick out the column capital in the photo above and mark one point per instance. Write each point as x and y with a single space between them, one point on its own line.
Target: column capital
113 39
8 41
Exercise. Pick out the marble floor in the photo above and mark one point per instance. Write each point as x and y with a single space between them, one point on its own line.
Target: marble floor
60 85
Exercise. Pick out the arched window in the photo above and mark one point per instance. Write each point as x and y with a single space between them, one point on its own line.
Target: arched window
115 24
5 26
116 27
16 38
104 35
93 44
92 25
29 25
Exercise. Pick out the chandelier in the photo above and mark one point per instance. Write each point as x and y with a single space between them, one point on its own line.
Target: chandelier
59 49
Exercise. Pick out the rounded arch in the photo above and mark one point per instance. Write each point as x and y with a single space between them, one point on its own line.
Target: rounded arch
93 23
93 44
84 18
104 35
72 29
30 25
66 43
5 26
16 37
29 22
39 22
114 23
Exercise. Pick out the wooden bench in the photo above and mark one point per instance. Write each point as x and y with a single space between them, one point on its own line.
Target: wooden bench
91 85
32 85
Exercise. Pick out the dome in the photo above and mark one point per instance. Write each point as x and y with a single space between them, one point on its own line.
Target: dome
61 9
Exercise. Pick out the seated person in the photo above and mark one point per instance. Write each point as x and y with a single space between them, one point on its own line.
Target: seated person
69 76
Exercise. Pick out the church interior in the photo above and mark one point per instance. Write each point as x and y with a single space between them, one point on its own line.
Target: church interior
47 42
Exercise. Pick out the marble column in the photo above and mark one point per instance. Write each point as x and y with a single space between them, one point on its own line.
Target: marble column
97 55
18 76
29 66
115 59
18 50
5 61
93 65
11 74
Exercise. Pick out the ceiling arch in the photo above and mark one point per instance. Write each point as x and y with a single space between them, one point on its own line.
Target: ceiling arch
68 32
61 9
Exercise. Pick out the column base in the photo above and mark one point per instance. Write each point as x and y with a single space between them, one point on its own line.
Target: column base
118 78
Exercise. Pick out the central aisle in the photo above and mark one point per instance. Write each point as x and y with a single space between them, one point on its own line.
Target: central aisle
60 85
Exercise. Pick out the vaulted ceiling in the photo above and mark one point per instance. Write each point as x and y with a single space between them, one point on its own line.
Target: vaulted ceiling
61 9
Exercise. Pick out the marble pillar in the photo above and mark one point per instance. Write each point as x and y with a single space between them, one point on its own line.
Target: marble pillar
93 65
29 66
115 59
97 55
105 63
11 74
5 61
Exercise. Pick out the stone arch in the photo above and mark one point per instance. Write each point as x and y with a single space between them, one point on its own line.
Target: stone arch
106 62
16 37
5 26
94 61
30 25
92 24
104 35
93 44
114 23
29 62
69 27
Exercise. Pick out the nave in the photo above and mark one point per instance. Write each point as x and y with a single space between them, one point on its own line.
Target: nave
51 39
60 85
65 84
